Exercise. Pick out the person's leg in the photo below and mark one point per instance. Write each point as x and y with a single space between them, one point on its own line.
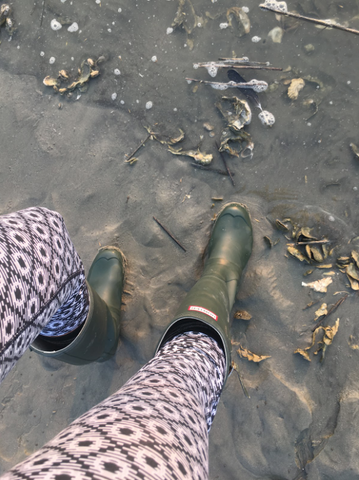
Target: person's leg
155 427
45 300
42 282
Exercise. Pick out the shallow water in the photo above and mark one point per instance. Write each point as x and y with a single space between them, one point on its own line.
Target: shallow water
72 160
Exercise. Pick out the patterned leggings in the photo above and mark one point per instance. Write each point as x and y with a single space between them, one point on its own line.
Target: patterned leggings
156 426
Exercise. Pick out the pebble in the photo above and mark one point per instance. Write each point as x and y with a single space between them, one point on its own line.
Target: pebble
114 96
55 25
149 105
117 71
119 10
245 9
154 58
73 28
52 60
331 218
169 30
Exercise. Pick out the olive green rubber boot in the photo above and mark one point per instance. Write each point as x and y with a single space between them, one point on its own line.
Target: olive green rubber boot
97 339
207 306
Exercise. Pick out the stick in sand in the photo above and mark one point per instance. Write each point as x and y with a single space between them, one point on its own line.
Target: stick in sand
233 65
324 23
214 170
226 166
137 149
256 85
331 310
169 234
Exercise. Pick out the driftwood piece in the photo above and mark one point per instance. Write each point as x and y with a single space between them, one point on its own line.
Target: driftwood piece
324 23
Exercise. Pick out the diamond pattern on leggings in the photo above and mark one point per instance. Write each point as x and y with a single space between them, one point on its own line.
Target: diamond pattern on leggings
40 273
154 428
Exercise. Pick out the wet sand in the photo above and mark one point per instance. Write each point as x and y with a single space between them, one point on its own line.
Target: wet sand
299 414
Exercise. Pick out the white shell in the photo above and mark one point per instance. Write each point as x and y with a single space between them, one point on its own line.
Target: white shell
149 105
52 60
117 71
73 28
55 25
256 39
114 96
276 34
266 118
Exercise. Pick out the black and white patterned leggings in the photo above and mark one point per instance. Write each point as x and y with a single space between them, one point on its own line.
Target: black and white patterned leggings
156 426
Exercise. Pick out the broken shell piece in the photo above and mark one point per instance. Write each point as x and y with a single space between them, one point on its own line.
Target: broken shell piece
51 81
63 75
319 285
242 315
304 353
267 118
297 254
197 155
353 283
241 17
207 126
296 85
355 149
276 34
355 257
252 357
352 271
323 310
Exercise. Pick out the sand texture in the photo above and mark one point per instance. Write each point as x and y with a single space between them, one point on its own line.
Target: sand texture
301 420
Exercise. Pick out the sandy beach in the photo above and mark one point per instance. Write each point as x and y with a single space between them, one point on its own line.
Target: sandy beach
68 154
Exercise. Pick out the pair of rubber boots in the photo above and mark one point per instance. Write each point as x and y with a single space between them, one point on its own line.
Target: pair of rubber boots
206 308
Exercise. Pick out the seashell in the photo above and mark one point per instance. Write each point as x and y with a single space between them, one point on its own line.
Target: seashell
276 34
297 84
63 74
50 81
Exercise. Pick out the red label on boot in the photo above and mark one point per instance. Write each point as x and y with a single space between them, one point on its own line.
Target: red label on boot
203 310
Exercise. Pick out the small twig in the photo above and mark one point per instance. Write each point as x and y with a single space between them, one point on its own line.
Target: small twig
226 166
310 242
169 234
42 12
214 170
324 23
236 369
137 149
241 60
331 310
256 85
232 65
